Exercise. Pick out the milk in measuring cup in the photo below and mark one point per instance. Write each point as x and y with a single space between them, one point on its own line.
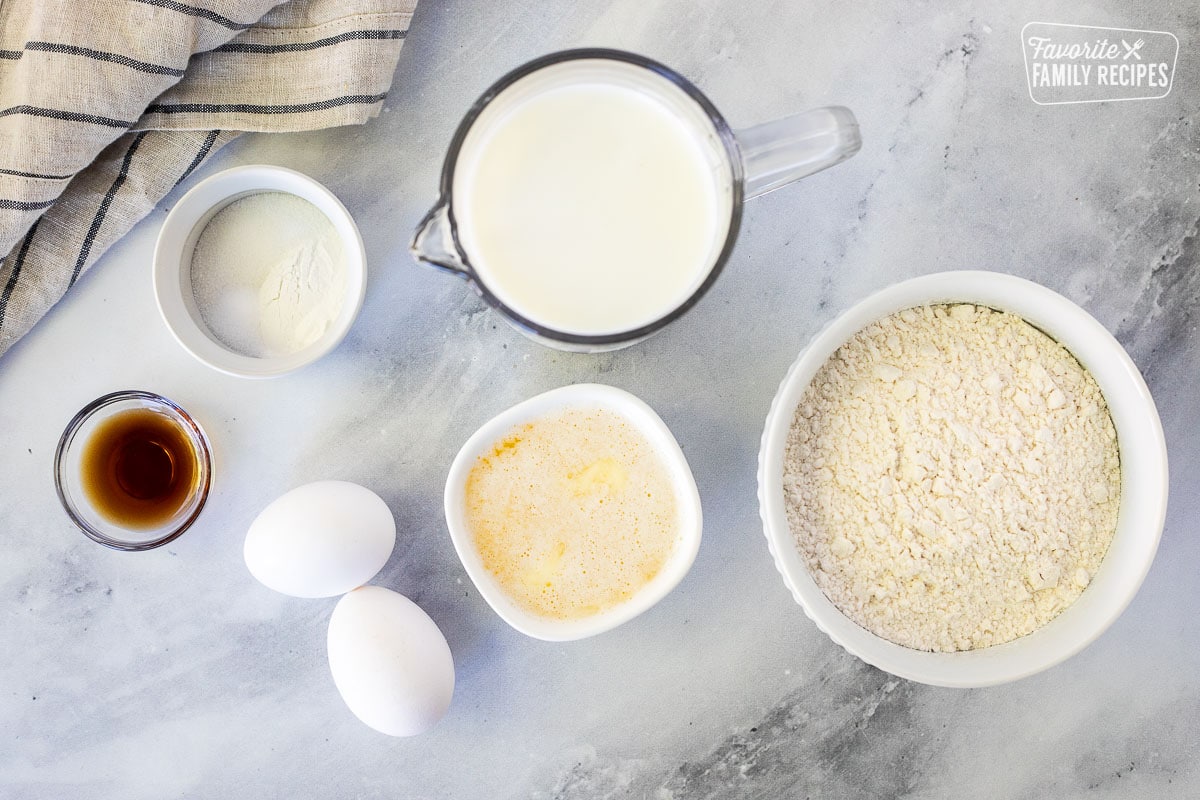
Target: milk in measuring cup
591 208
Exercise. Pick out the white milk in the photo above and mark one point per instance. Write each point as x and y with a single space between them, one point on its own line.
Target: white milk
592 207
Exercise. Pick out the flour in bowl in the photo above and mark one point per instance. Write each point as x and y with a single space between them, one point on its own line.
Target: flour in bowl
952 478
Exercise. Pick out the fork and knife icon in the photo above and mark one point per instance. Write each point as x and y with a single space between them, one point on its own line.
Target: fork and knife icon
1132 49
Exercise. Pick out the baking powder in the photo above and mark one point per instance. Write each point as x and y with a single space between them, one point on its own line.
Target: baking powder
952 478
268 274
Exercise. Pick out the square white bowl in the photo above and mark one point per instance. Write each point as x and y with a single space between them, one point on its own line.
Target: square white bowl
649 424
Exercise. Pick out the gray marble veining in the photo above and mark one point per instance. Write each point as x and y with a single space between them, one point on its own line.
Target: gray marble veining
173 674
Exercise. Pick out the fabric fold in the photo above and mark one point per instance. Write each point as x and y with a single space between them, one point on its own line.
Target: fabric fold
106 105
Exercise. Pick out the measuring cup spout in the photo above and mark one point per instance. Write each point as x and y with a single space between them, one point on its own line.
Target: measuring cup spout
433 243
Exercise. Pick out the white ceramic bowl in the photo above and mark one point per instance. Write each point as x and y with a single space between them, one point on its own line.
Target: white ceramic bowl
641 417
1143 507
173 256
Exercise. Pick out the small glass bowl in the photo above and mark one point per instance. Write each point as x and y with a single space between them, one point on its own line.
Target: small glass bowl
68 472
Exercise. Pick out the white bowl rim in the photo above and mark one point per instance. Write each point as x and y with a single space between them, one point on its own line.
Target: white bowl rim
1144 482
581 395
172 259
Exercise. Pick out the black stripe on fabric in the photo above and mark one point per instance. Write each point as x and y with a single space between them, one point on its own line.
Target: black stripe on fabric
24 205
11 55
20 174
248 108
67 116
101 212
15 275
203 13
297 47
204 148
100 55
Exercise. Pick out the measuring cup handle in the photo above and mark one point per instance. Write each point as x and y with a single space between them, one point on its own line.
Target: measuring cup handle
784 150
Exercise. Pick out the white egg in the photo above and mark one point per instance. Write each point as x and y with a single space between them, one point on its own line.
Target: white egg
321 539
389 661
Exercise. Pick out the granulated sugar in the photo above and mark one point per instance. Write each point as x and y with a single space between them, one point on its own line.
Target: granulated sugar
268 275
952 478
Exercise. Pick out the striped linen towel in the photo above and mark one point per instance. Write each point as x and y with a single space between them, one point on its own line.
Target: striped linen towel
105 105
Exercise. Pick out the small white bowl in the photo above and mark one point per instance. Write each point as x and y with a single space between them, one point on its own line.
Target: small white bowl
173 256
1140 442
641 417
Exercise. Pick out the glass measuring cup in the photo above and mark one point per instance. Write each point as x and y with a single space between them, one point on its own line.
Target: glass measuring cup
740 165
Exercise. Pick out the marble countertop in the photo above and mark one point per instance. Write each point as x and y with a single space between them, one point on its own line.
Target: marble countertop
173 673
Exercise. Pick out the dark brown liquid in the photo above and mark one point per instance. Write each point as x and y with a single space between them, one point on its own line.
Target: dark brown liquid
139 468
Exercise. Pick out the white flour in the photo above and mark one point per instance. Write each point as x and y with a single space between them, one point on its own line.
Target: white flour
267 274
952 478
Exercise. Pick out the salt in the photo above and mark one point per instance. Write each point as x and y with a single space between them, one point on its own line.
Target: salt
268 274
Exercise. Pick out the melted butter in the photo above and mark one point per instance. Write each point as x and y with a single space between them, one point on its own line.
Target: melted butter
605 474
572 513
